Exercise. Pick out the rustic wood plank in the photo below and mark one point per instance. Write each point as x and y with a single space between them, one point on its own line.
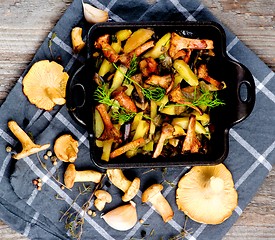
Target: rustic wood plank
251 20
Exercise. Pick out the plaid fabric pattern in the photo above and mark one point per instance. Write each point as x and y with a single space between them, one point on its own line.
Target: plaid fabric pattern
36 214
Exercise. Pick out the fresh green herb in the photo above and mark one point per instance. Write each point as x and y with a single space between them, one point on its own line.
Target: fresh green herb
152 93
103 95
123 115
161 57
133 67
209 99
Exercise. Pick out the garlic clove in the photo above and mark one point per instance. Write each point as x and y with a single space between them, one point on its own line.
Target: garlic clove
122 218
94 15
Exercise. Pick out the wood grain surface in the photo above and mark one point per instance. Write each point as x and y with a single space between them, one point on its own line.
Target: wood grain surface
25 23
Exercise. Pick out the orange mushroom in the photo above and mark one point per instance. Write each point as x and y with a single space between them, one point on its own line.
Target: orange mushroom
45 84
66 148
28 146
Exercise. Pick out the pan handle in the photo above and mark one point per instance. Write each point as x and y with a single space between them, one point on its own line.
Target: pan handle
245 93
78 99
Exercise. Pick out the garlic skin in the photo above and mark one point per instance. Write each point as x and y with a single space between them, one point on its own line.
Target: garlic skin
94 15
122 218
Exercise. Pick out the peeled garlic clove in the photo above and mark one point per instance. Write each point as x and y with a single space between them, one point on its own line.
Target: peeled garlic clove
122 218
94 15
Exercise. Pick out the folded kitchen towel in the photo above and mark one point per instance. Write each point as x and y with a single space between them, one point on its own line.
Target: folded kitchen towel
36 214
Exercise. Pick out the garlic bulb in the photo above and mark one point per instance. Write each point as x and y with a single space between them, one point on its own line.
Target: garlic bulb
122 218
94 15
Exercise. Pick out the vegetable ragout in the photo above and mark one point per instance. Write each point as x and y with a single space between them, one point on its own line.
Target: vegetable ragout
153 94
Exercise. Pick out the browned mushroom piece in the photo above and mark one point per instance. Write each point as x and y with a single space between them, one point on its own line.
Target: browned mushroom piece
166 133
109 132
108 51
206 194
66 148
127 58
165 82
191 142
71 176
177 43
123 99
45 84
162 206
148 66
203 73
28 146
177 96
129 188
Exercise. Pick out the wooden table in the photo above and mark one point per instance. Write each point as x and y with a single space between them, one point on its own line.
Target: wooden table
25 23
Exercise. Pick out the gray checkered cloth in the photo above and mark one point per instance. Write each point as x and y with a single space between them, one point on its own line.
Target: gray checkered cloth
36 214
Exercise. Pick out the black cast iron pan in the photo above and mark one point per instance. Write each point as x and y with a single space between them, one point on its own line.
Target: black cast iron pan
239 95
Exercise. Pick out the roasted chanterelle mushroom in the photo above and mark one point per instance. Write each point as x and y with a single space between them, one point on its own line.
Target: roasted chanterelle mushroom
45 84
206 194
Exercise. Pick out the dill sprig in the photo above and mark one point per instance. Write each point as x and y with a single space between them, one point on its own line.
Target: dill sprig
209 99
123 115
103 95
152 93
133 67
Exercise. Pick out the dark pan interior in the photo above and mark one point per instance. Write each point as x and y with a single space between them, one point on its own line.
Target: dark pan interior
236 76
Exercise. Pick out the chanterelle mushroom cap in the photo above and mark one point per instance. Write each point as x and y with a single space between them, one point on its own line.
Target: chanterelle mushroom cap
66 148
69 176
206 194
45 84
103 195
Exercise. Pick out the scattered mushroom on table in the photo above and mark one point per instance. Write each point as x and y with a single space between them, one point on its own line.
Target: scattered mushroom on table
28 146
102 197
129 188
71 176
66 148
206 194
159 202
45 84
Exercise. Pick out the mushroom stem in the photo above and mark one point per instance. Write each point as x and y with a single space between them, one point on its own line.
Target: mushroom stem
162 207
28 146
55 95
216 184
110 132
71 176
120 181
129 188
77 41
88 176
159 202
